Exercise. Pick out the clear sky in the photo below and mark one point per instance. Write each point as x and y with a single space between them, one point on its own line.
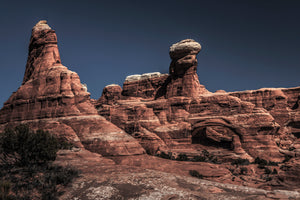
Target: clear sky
246 44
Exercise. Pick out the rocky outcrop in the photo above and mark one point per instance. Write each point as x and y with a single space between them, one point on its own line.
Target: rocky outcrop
282 104
175 116
110 94
175 111
184 80
146 85
170 115
52 97
103 180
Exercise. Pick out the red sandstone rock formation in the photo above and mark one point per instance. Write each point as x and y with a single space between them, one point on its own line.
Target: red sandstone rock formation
52 97
175 111
171 113
183 70
175 114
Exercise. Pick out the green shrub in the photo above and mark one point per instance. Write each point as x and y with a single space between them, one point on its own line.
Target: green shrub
199 159
26 164
240 161
214 160
182 157
60 175
286 158
271 163
244 170
205 157
164 155
28 147
205 153
63 144
5 187
44 179
268 178
196 174
260 161
274 171
292 148
267 171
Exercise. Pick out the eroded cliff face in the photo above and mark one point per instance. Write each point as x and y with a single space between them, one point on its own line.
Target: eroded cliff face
161 113
173 113
167 112
52 97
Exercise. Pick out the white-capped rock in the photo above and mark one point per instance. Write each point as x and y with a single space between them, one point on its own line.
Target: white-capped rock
184 47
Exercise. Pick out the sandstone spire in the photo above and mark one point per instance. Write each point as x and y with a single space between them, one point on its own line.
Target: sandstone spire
52 98
49 89
183 70
43 51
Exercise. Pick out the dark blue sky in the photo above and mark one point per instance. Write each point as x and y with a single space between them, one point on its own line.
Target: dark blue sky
246 44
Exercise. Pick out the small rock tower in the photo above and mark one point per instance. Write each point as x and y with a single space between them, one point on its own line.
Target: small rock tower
183 70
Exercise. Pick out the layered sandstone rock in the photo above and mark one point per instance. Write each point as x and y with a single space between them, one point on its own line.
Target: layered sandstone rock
161 113
110 94
52 97
183 70
146 85
282 104
174 114
175 110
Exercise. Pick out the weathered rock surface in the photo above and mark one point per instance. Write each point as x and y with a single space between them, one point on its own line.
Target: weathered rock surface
181 117
184 80
52 97
145 85
170 115
197 116
110 94
102 179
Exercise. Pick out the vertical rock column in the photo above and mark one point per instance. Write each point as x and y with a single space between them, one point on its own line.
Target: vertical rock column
43 51
183 70
52 98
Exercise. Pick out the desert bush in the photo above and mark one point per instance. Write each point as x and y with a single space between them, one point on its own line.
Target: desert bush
263 162
271 163
196 174
205 157
205 153
44 179
27 164
214 160
260 161
244 170
28 147
240 161
292 148
274 171
5 187
164 155
63 144
182 157
267 170
268 178
60 175
286 158
199 159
